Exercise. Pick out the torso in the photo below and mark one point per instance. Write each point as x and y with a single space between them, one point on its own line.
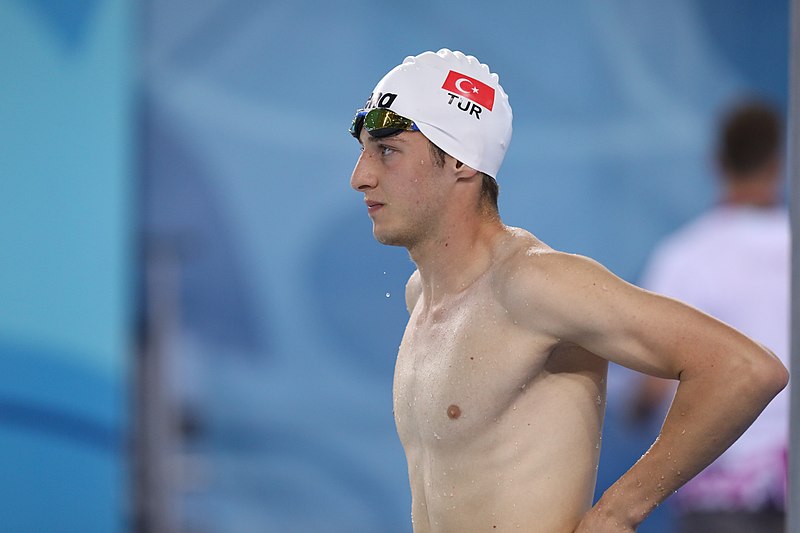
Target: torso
500 423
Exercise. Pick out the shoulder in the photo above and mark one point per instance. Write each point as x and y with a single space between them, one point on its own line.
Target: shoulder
542 271
706 233
552 290
694 250
527 262
413 291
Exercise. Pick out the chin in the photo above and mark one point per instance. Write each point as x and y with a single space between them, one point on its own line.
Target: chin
389 239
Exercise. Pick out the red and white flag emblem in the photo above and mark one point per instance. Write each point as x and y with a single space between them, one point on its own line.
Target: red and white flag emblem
470 88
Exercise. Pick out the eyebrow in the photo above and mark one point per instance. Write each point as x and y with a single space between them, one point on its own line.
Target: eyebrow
393 138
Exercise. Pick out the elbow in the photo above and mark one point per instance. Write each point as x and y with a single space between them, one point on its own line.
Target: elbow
781 377
770 374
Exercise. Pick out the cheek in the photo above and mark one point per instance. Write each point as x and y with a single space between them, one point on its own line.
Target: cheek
429 200
423 189
413 184
419 184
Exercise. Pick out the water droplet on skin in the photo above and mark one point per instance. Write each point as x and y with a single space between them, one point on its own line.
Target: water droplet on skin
683 432
437 437
599 400
514 407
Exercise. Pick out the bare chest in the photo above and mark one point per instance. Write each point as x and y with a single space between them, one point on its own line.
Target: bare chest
459 373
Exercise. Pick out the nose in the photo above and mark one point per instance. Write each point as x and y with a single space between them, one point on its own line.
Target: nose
363 177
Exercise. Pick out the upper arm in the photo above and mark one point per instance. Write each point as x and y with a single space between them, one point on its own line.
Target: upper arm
413 291
577 300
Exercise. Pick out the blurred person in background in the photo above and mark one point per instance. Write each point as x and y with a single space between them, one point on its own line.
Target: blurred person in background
733 263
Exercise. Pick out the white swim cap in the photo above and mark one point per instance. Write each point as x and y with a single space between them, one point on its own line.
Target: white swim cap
455 101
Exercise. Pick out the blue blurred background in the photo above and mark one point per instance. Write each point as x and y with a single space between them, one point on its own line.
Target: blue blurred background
192 306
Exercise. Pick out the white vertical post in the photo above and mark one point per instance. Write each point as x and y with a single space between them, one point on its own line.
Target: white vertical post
793 170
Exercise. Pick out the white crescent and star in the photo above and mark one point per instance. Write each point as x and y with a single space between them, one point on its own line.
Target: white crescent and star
458 83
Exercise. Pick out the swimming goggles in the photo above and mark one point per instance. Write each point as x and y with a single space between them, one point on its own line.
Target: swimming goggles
380 122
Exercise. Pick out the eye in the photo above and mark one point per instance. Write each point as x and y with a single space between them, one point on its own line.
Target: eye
386 150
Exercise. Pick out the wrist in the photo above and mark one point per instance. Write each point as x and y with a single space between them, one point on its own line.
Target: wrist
624 508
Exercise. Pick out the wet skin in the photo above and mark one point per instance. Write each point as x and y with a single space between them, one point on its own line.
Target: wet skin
499 381
476 398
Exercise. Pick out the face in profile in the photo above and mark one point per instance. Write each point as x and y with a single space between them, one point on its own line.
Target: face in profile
402 187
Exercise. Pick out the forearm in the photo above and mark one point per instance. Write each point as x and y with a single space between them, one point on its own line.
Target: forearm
710 411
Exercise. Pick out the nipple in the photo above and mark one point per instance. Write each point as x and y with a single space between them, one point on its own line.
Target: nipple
453 412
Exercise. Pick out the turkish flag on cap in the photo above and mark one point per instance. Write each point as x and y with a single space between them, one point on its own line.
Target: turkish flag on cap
470 88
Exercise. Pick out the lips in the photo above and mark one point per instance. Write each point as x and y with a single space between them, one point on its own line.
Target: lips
372 206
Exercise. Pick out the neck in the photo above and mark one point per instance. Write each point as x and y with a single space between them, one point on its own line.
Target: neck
453 258
755 193
757 188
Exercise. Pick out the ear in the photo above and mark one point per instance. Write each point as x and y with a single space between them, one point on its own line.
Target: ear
464 172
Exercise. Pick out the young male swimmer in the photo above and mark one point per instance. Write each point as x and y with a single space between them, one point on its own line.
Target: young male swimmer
499 386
